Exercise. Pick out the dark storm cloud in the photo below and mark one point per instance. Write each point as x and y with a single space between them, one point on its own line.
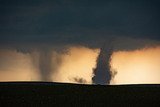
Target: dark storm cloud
37 21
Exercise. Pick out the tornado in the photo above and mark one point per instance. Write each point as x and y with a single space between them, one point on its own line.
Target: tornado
41 59
45 60
102 73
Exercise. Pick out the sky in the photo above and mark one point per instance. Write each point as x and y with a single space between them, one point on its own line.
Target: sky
140 66
62 40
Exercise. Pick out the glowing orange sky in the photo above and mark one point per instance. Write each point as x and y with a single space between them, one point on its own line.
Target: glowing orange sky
79 63
16 66
132 67
136 67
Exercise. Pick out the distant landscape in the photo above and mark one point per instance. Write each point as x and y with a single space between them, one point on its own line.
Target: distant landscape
60 94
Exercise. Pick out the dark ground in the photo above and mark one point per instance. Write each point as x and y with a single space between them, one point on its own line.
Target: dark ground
59 94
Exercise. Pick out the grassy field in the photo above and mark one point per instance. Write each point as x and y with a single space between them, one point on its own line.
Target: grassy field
61 94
